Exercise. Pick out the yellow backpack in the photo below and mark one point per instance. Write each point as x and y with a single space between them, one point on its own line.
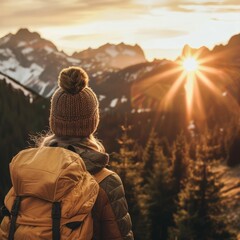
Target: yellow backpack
52 196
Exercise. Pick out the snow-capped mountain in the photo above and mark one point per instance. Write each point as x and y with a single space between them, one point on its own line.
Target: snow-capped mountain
115 92
18 86
117 72
113 56
31 60
35 62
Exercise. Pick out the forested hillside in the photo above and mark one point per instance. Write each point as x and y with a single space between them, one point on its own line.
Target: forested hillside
175 188
19 119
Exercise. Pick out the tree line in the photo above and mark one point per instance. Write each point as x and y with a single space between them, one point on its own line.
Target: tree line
175 192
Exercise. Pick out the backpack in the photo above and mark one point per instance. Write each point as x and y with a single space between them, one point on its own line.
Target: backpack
52 196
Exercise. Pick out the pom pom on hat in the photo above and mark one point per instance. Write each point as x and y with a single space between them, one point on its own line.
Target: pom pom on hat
73 80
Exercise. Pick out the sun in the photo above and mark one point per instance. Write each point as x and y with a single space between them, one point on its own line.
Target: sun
192 74
190 64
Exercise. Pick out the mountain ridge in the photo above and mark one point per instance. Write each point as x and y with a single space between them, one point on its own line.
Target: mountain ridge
35 62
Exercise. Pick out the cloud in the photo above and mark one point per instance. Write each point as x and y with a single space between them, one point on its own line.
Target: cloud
234 2
161 33
99 4
56 12
196 6
219 19
80 37
59 12
229 9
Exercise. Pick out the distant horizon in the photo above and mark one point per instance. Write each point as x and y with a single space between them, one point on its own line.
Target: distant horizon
160 27
70 53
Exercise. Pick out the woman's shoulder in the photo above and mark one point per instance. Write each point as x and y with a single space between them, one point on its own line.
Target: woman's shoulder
113 186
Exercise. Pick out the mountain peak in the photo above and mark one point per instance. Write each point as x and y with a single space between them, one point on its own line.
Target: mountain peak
230 51
23 31
234 41
114 55
189 51
24 38
25 34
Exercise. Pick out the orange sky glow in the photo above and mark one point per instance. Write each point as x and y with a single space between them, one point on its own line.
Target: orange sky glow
160 27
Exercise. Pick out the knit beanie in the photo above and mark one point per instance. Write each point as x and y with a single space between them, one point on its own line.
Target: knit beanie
74 106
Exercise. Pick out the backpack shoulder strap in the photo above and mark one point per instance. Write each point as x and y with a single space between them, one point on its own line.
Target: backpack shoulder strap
101 175
56 219
14 215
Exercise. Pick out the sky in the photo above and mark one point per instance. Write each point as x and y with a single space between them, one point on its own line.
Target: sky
160 27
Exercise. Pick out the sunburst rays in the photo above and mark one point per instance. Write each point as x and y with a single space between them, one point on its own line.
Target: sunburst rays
198 77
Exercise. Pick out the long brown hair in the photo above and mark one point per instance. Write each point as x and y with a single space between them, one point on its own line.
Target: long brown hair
49 139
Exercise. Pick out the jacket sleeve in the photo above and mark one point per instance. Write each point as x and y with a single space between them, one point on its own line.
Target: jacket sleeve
116 207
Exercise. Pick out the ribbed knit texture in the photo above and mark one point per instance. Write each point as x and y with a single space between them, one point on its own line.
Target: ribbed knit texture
74 115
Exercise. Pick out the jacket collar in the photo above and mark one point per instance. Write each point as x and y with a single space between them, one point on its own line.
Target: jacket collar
94 160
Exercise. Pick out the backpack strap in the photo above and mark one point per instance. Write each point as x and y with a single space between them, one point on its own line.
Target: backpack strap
56 218
14 214
101 175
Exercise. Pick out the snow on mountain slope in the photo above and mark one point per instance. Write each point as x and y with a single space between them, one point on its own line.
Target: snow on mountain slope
114 90
113 56
12 68
25 56
5 39
36 62
17 86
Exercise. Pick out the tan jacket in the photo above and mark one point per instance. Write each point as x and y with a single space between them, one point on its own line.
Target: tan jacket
110 213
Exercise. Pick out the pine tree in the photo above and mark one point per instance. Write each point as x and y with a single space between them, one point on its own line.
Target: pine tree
200 212
180 162
192 149
19 118
233 158
150 156
164 143
127 167
156 200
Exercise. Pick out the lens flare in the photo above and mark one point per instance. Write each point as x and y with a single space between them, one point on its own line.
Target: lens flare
189 89
190 64
197 77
